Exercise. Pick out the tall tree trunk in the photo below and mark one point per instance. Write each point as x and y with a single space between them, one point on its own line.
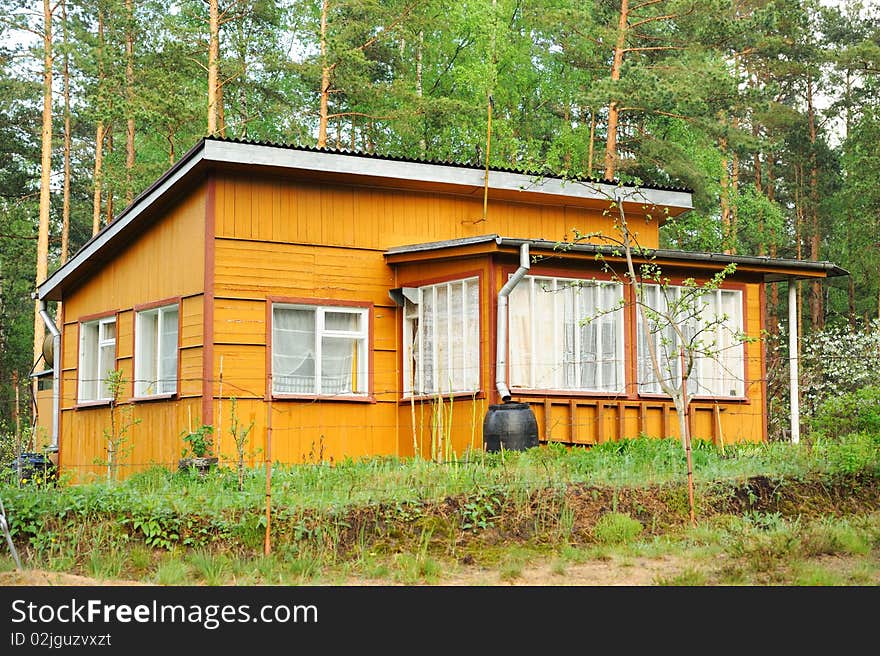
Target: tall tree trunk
613 111
724 196
45 176
591 147
817 314
108 189
325 79
213 57
129 98
97 176
65 203
773 310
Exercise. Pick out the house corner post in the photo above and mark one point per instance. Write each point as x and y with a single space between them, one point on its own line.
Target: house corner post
793 372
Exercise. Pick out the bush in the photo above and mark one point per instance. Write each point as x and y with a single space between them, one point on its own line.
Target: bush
852 412
617 528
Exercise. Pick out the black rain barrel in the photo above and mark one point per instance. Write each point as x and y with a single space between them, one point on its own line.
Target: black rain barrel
510 426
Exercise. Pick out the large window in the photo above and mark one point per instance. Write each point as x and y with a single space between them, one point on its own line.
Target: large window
441 334
319 350
155 358
566 334
97 357
710 322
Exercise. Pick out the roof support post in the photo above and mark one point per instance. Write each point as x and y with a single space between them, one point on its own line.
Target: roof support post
793 361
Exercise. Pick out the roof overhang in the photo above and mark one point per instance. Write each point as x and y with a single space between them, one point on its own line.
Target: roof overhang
765 268
354 169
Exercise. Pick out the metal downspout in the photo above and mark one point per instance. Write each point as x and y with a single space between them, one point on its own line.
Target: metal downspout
56 372
501 324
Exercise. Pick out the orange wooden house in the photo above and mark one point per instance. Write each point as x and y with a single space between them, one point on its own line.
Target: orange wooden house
349 304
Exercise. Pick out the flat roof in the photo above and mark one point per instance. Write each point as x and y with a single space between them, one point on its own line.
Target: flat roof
345 167
771 269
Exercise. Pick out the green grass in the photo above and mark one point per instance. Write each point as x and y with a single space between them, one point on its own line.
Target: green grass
406 520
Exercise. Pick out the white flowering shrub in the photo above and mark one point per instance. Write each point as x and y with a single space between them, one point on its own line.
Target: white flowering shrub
834 362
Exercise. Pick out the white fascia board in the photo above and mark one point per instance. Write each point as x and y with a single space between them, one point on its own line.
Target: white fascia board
112 230
328 162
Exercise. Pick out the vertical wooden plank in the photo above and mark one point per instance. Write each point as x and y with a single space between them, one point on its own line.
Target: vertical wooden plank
600 422
643 418
621 420
665 410
716 425
548 410
572 411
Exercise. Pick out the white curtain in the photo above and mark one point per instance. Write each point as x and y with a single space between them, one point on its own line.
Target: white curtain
293 351
168 351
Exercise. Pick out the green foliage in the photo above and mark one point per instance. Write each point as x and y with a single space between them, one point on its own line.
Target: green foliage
616 528
199 442
852 412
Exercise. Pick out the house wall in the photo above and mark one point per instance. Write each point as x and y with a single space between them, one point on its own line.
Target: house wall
282 239
167 261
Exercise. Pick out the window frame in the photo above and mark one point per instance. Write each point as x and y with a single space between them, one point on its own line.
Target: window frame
363 308
620 329
160 307
742 358
83 322
407 392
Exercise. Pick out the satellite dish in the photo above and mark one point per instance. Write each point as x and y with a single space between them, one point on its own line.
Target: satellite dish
49 349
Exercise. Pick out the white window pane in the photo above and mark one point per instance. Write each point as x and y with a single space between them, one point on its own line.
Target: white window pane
348 321
168 355
88 372
293 351
339 365
520 334
145 359
472 356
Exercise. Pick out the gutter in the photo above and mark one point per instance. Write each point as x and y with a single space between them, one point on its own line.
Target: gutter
56 373
501 323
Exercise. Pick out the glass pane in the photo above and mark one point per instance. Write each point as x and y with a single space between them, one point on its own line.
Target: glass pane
108 330
428 320
350 321
339 366
88 374
293 351
145 355
520 334
472 357
168 363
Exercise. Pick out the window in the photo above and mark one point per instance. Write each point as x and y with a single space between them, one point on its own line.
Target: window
713 330
319 350
566 334
155 358
97 357
441 328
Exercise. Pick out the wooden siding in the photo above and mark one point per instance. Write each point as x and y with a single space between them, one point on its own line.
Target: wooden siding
167 261
269 209
279 239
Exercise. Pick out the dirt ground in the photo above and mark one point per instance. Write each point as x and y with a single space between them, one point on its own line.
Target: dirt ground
628 572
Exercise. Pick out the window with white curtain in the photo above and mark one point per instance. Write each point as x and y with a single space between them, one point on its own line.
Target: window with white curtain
441 334
97 357
715 321
566 334
319 350
155 357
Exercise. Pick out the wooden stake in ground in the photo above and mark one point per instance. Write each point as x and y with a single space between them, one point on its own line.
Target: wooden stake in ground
267 546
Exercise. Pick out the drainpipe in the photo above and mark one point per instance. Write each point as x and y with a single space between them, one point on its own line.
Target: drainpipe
56 373
501 323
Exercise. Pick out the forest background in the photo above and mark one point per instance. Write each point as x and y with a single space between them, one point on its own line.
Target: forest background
768 110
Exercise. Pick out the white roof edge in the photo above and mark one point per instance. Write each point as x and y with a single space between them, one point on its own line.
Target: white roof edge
113 229
329 162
